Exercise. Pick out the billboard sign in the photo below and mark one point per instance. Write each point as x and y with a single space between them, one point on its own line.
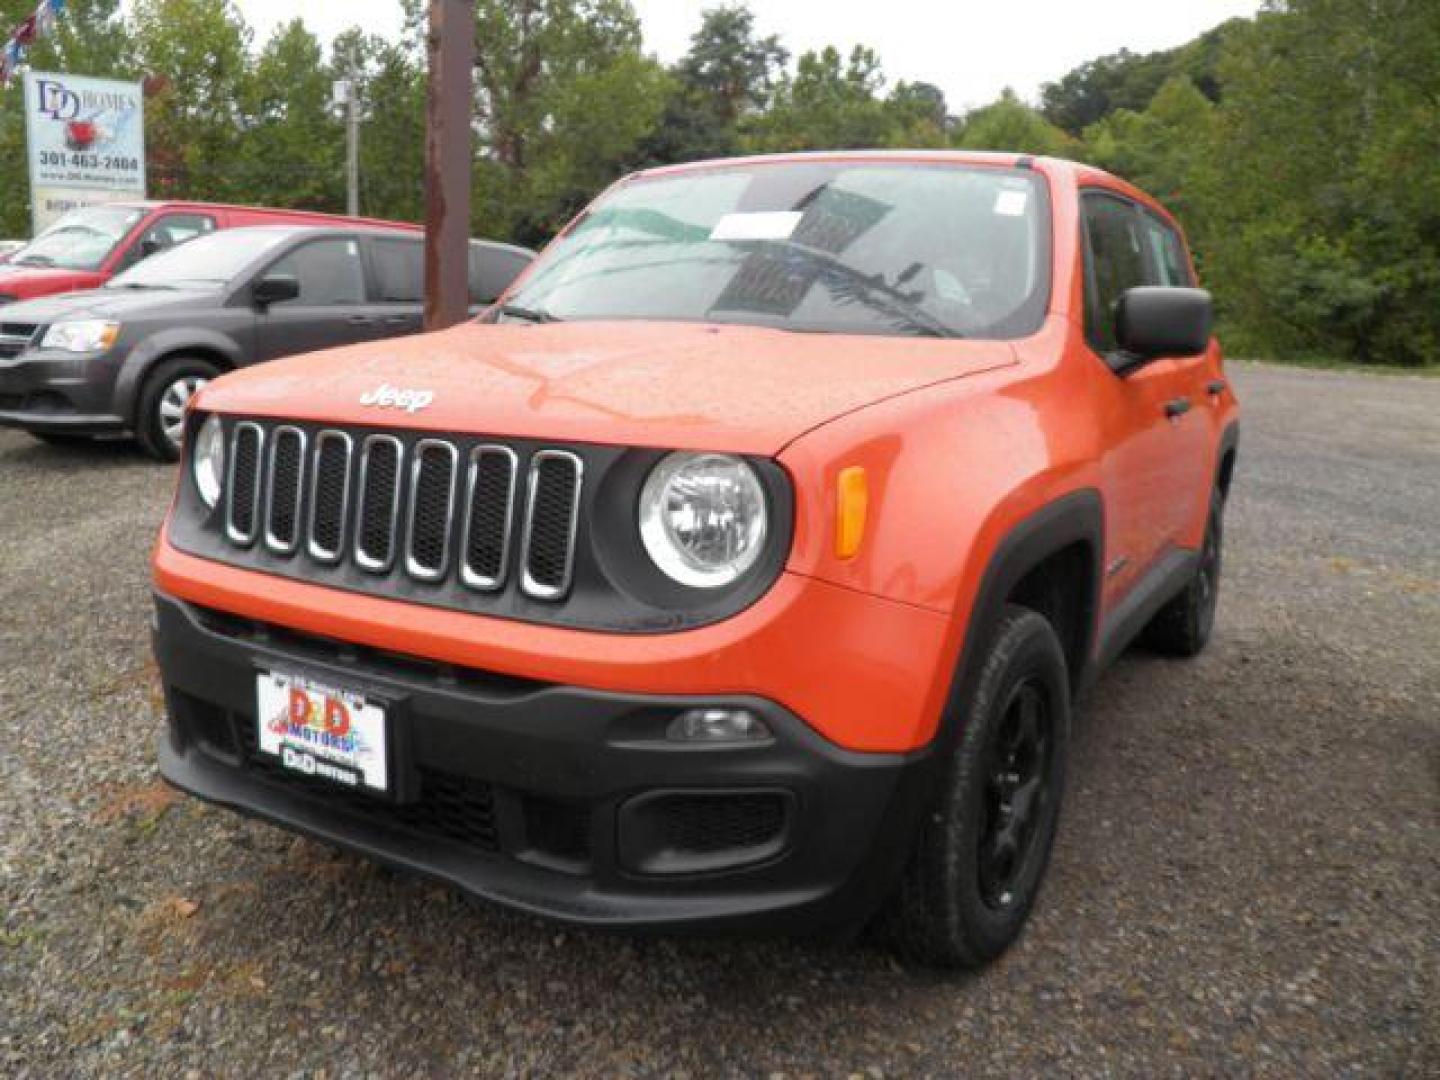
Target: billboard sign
86 141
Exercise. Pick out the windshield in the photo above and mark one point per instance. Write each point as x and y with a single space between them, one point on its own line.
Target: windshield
898 249
203 263
81 240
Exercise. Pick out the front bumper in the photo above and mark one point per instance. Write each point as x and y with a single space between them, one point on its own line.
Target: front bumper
59 392
553 799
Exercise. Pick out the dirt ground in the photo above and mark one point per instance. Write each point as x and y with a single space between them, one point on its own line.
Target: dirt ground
1247 877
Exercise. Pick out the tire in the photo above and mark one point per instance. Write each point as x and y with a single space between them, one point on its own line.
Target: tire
966 893
1182 627
159 413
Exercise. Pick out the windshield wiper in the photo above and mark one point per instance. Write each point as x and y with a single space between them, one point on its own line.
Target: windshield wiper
883 297
35 260
534 315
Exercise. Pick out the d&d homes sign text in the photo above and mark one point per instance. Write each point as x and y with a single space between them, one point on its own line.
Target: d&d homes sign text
86 140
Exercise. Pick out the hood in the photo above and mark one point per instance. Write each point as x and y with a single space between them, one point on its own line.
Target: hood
678 386
99 304
26 281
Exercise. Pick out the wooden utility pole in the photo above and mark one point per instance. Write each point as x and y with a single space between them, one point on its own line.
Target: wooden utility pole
447 162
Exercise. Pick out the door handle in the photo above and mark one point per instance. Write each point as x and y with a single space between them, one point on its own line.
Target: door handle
1215 387
1177 407
360 320
400 320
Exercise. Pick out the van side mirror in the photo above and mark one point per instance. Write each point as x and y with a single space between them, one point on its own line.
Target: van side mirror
1153 321
275 289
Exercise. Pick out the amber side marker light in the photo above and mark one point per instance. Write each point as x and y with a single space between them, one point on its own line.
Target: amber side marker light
852 501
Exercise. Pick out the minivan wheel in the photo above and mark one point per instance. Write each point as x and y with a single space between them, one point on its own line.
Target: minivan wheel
160 414
985 842
1182 627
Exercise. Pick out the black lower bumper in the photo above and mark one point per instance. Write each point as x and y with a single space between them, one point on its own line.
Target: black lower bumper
562 802
62 394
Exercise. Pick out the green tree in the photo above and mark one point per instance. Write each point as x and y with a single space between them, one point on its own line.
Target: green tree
292 150
729 73
1010 124
1129 80
1325 229
921 114
1168 149
392 135
831 102
195 54
564 97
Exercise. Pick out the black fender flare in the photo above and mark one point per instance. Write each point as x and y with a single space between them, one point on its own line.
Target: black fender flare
152 350
1075 517
1078 517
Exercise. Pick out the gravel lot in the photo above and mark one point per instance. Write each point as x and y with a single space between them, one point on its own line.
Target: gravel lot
1247 877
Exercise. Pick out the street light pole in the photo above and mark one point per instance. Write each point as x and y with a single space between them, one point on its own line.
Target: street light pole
352 146
451 42
347 96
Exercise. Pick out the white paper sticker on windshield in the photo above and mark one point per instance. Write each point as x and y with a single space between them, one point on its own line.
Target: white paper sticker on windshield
1010 203
761 225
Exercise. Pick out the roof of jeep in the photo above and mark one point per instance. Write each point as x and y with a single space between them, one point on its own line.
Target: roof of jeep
1079 172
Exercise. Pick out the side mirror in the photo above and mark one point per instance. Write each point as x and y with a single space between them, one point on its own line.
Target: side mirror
149 246
275 289
1153 321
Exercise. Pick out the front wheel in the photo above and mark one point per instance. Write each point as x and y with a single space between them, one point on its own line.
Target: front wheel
160 415
985 843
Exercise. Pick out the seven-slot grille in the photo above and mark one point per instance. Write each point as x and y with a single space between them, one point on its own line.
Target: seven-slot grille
426 510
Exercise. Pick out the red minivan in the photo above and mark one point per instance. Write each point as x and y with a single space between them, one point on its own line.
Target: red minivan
87 247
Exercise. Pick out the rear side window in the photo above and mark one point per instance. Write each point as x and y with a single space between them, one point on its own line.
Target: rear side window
175 229
168 232
329 272
492 269
1115 253
399 271
1167 253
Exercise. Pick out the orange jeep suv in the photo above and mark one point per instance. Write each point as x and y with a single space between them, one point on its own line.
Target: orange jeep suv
739 569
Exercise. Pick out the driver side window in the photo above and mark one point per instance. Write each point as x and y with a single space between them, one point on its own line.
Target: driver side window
1115 262
329 273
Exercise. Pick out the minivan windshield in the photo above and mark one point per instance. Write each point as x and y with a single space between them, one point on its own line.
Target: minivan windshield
937 250
207 262
81 239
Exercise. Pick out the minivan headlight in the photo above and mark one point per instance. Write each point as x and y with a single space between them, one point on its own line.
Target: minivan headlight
703 518
81 336
207 464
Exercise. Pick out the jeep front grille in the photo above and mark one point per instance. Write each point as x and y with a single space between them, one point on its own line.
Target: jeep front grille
430 509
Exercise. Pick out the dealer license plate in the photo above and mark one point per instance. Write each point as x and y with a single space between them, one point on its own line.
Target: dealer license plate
323 732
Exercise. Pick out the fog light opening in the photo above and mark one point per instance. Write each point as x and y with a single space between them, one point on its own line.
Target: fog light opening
717 726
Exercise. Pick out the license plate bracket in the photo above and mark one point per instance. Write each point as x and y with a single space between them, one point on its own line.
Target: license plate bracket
320 731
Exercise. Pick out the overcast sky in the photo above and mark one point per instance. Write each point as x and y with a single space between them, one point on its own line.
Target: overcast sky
970 50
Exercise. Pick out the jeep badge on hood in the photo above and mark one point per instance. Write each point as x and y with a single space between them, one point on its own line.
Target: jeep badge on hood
386 396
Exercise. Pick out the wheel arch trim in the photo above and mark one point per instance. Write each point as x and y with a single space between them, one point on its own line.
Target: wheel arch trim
142 359
1077 517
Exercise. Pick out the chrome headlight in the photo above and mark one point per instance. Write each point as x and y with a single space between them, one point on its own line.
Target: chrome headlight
207 463
81 336
703 518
